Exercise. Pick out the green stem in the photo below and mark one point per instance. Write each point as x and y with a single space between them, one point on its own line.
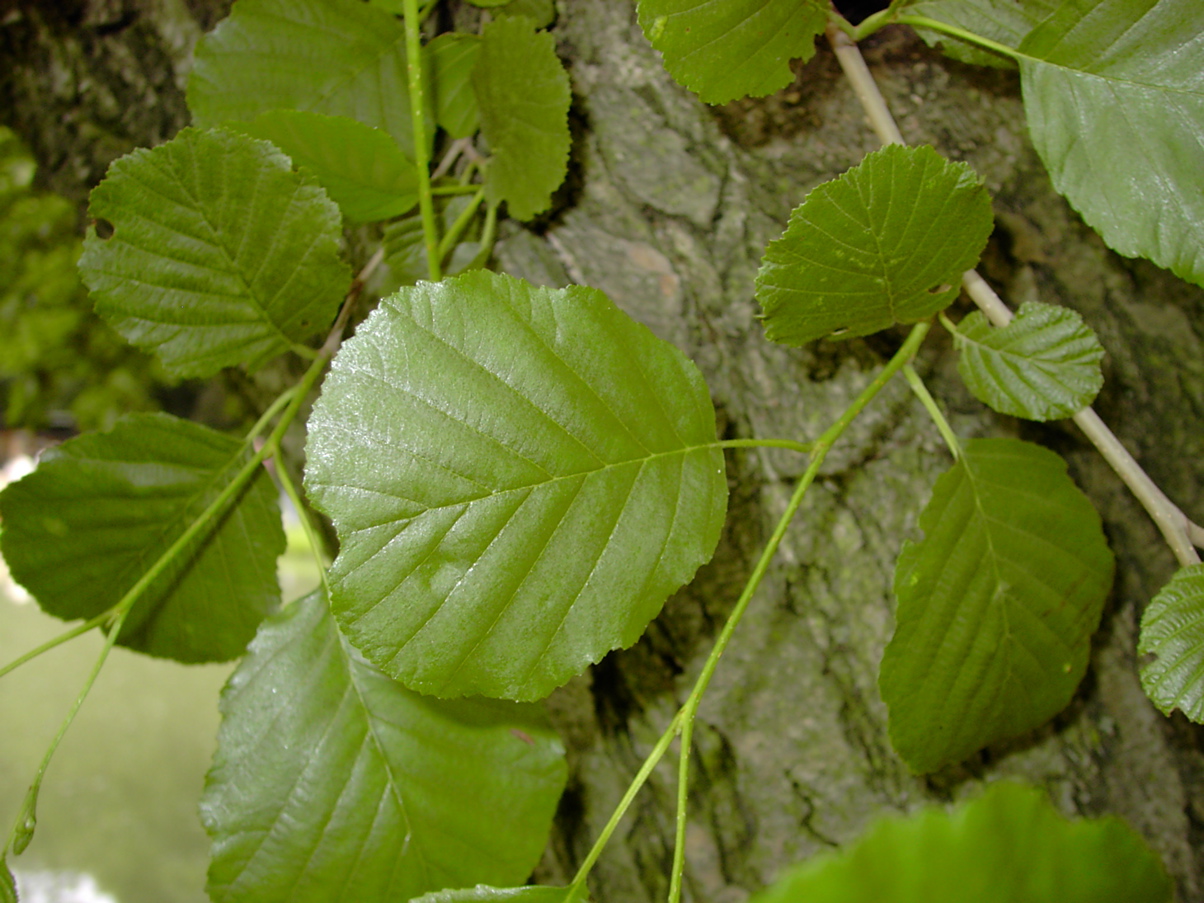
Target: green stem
930 405
440 190
461 223
311 534
269 415
677 875
422 162
956 32
71 634
801 447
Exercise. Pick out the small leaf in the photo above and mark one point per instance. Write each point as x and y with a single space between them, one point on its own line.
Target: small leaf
8 883
481 893
523 92
885 243
1172 629
103 507
452 57
1009 845
542 13
336 57
737 48
997 604
1044 365
220 254
1103 75
1003 21
362 168
333 782
519 477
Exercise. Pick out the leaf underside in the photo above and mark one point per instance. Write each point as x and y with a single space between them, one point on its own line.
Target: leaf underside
332 781
996 605
519 478
481 894
1172 629
884 243
102 508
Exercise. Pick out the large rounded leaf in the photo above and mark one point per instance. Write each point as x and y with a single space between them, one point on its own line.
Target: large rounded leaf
519 477
1172 630
333 782
100 509
997 604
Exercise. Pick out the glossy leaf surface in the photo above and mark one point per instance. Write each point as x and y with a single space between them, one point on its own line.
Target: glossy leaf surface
996 605
1003 21
1172 630
452 57
733 49
1114 94
1008 845
519 478
332 781
1044 365
481 894
220 253
362 168
885 243
337 57
523 92
103 507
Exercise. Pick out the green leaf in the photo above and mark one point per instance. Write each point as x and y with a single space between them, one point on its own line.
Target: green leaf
1114 94
737 48
332 781
1044 365
542 13
532 894
220 253
1009 845
8 883
519 477
103 507
337 57
885 243
523 92
997 604
362 168
1172 629
452 57
1003 21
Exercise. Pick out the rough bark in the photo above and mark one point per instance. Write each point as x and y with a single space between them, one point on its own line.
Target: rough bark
668 210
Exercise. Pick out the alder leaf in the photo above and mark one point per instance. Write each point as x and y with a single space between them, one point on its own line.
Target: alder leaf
542 13
733 49
996 605
519 477
362 168
333 782
481 893
1172 629
884 243
452 57
1009 845
523 93
1114 95
8 883
337 57
220 254
1044 365
1003 21
101 508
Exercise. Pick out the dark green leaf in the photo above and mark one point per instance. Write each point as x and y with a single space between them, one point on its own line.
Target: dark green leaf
8 883
1003 21
1044 365
524 97
736 48
1008 846
103 507
885 243
542 13
362 168
220 253
997 604
333 782
1114 94
481 894
1172 629
452 57
519 477
337 57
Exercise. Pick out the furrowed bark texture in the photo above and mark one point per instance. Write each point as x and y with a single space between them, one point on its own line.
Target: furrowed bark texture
668 209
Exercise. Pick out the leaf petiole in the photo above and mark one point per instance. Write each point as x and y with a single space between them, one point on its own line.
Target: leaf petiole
462 221
430 231
930 405
956 32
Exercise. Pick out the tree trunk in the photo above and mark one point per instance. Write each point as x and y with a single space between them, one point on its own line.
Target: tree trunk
668 209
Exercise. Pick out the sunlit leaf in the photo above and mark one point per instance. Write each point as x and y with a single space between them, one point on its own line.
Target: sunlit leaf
103 507
1002 21
1044 365
452 57
524 97
519 477
1114 94
332 781
885 243
482 894
1172 630
735 48
220 253
1007 846
996 605
362 168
